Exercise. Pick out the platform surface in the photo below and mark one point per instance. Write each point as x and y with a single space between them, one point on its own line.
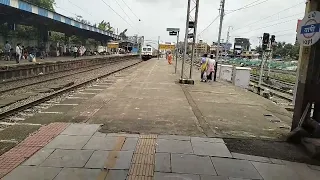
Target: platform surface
51 59
142 124
150 100
81 152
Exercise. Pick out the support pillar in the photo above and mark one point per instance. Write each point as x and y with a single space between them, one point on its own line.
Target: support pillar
308 67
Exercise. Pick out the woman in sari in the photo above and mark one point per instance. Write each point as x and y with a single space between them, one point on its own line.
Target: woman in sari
204 67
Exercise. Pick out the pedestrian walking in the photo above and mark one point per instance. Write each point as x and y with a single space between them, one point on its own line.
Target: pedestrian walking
211 68
204 68
7 51
18 53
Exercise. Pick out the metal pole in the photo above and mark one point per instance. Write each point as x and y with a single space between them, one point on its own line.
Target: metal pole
186 39
261 69
177 51
220 28
194 37
158 47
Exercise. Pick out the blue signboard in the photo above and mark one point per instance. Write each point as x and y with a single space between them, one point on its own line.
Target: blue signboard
311 28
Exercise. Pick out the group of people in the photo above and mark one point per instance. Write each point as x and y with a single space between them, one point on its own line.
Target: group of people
8 51
207 68
20 52
78 51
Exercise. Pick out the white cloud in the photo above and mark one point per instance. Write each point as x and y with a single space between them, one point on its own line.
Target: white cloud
157 15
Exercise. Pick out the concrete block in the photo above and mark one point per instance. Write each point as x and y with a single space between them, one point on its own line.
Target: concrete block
251 158
34 173
162 163
130 144
235 168
81 129
68 142
101 143
174 176
39 157
211 149
174 146
275 171
192 164
174 137
67 158
78 174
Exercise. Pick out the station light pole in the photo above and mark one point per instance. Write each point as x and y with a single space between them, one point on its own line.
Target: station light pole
220 28
158 47
190 33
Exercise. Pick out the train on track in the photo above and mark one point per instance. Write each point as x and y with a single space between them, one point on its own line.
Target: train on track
148 52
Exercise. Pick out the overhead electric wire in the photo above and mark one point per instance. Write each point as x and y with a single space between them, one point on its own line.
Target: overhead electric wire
130 9
270 25
269 16
281 18
209 25
244 7
80 8
123 11
248 6
117 13
65 10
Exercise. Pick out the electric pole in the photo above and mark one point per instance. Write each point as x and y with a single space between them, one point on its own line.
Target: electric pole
158 47
190 34
220 28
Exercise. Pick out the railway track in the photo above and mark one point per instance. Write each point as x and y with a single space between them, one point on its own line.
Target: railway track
11 111
47 78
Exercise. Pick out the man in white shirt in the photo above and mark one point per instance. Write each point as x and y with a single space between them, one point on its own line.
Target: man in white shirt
18 53
75 51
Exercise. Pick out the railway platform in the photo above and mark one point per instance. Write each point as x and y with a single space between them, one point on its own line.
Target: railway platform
10 70
142 124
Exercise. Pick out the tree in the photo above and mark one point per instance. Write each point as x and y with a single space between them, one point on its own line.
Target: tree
123 34
105 26
47 4
286 50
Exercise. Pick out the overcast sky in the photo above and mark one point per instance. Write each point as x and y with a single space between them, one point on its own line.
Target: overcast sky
157 15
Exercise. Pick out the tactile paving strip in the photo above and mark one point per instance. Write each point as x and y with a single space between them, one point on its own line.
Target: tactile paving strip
139 178
143 161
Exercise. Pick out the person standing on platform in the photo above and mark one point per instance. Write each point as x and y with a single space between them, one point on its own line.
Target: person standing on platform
75 51
170 58
7 51
18 53
211 67
204 68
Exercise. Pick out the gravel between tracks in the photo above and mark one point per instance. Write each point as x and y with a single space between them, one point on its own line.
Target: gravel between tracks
76 78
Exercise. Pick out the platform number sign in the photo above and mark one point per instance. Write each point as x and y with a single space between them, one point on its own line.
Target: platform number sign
173 33
309 29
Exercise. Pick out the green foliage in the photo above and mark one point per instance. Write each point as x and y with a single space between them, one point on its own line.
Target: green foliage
286 50
47 4
105 26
